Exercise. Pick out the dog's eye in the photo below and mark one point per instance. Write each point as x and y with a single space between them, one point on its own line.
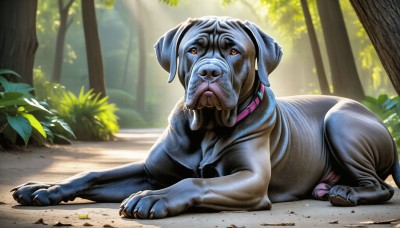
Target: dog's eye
234 52
193 51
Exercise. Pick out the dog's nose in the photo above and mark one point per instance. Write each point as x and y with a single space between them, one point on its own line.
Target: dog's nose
209 71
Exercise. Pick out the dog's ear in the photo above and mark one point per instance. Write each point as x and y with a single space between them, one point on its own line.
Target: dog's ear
167 48
269 53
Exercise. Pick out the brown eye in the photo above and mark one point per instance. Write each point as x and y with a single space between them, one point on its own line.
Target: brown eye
234 52
193 51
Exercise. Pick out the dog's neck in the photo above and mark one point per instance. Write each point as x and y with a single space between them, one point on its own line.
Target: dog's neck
212 119
253 104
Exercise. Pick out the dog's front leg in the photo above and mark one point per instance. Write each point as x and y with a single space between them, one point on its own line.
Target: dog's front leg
94 185
244 190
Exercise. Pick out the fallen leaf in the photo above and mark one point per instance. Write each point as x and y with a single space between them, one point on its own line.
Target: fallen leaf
354 225
84 216
388 221
334 222
40 221
234 226
62 224
278 224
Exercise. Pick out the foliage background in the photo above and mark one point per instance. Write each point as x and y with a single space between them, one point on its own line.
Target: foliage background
117 26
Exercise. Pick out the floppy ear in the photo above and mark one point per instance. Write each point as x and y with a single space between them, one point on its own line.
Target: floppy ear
167 48
269 53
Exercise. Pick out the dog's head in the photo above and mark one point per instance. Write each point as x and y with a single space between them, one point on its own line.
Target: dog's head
216 60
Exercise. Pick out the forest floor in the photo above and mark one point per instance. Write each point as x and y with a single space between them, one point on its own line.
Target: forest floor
54 163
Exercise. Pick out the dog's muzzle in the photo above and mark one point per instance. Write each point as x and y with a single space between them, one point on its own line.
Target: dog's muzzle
208 85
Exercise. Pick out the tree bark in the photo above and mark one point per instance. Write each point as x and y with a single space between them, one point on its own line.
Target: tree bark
323 82
345 78
18 41
62 31
93 48
381 20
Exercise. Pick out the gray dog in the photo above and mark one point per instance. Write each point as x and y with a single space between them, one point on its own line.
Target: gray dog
231 145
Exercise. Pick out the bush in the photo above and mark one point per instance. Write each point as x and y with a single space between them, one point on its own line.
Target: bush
388 109
90 117
24 117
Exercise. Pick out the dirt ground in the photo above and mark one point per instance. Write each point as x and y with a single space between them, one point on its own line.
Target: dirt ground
59 162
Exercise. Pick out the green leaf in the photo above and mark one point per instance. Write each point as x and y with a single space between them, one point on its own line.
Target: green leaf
20 125
61 139
35 123
61 124
12 98
38 137
34 105
5 71
17 87
10 134
3 81
392 104
382 98
49 134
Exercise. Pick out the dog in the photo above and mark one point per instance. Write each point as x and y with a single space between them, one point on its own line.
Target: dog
231 145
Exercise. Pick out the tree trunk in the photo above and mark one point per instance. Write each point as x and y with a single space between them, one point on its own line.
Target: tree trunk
345 78
381 20
62 31
93 49
323 82
18 41
141 85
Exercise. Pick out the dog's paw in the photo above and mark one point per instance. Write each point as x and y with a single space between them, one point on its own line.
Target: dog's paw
155 204
144 205
37 194
341 195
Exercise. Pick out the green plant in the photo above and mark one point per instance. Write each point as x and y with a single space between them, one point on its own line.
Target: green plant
388 109
22 116
46 90
90 117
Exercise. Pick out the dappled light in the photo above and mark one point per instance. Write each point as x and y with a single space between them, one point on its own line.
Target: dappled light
129 29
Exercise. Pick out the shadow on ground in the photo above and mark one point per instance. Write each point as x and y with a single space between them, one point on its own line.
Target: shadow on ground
59 162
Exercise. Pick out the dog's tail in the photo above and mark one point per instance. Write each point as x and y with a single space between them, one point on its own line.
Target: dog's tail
396 167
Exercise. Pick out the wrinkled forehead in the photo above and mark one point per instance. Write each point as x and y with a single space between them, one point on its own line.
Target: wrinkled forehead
216 32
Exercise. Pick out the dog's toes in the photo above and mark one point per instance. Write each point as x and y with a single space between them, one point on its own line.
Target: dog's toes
342 196
41 200
159 210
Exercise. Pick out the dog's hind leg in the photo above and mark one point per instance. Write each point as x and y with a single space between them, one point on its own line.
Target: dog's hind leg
364 149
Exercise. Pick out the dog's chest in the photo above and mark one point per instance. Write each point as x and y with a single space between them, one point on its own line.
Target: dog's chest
212 149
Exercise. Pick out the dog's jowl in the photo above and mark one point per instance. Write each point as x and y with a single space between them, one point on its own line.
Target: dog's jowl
231 145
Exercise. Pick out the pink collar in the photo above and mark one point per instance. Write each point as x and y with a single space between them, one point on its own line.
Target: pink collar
253 105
